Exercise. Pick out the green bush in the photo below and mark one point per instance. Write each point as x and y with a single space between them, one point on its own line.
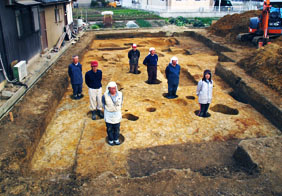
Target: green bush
100 25
206 21
94 3
143 23
198 23
95 26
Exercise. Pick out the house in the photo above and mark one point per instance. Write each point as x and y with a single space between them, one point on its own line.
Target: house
83 3
19 33
170 5
54 16
28 27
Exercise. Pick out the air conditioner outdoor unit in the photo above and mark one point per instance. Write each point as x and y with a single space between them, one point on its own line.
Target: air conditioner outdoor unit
20 70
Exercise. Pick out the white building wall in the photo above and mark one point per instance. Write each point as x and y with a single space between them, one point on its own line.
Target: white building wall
190 5
69 13
126 3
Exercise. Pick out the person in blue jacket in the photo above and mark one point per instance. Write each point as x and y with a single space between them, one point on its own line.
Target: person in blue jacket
172 73
75 74
151 61
93 80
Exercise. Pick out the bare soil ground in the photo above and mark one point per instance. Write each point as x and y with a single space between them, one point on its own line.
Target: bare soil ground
203 168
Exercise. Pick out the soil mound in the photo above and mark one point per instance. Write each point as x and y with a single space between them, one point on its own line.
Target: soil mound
265 64
230 26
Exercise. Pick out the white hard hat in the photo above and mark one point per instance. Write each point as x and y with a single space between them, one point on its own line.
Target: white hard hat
174 58
112 84
151 49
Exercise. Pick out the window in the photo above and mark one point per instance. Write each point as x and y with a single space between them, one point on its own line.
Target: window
27 20
19 23
58 16
35 19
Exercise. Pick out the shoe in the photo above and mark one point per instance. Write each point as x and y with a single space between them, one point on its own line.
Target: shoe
111 143
75 97
79 96
117 142
100 113
174 94
94 115
201 114
169 95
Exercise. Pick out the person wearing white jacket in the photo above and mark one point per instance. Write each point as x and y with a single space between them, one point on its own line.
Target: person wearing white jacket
112 103
204 93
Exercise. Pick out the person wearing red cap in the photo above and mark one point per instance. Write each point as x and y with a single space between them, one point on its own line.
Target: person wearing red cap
133 56
93 80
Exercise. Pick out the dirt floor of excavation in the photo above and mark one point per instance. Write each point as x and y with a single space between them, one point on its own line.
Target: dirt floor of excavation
149 119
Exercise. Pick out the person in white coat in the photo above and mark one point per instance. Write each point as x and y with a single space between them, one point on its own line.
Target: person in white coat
204 93
112 103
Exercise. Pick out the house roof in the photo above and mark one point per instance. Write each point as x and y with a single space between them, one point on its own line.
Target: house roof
47 2
27 2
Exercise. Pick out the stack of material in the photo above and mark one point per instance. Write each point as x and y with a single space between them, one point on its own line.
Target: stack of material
230 26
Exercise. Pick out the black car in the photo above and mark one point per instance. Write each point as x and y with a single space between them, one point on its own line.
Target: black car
225 5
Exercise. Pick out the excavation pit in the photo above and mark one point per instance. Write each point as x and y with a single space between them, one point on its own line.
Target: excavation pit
224 109
154 128
190 97
130 117
151 109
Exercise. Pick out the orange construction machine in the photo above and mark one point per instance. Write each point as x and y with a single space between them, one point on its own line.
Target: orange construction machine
267 26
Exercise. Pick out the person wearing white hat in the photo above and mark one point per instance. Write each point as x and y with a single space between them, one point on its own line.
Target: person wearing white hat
112 103
172 73
133 56
75 74
151 61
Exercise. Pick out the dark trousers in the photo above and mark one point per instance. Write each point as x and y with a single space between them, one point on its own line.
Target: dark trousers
77 89
203 110
133 68
172 88
113 131
152 74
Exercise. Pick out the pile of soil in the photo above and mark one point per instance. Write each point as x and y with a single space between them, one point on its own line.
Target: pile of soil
265 64
230 26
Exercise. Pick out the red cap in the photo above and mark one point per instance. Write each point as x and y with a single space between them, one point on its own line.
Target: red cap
94 63
134 46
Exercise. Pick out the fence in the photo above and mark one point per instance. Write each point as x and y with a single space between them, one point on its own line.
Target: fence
210 11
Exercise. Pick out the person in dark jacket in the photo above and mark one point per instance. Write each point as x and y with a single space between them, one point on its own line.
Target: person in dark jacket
133 56
151 61
172 73
75 74
93 80
204 93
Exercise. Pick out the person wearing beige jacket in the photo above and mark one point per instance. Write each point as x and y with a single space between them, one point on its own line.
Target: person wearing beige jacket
112 103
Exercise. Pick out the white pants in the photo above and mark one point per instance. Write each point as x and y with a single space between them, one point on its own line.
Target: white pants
95 96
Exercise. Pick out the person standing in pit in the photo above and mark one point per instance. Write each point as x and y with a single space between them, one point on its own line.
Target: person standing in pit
75 74
133 56
151 61
112 102
204 93
172 73
93 80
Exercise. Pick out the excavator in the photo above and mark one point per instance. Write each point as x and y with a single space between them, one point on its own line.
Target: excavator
265 27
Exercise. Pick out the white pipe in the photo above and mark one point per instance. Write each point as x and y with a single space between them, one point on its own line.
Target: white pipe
4 71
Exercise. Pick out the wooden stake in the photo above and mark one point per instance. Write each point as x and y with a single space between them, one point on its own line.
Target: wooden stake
11 116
